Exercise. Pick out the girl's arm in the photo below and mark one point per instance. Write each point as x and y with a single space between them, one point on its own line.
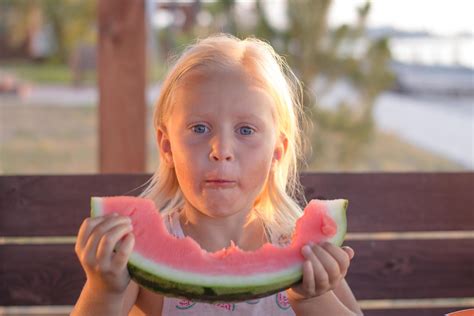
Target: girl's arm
93 302
326 304
339 301
344 293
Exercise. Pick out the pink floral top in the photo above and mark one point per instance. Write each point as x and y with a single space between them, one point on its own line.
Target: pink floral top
276 304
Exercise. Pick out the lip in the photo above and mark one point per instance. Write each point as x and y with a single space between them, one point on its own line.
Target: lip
219 183
219 180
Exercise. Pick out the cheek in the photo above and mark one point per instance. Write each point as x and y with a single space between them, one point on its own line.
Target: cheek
186 168
258 167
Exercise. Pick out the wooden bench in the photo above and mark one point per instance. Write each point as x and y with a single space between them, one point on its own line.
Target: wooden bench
412 234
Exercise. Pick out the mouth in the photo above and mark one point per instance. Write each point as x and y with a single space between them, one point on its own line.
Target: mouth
220 183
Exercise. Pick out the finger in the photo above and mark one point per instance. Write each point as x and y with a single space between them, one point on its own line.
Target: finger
330 265
308 284
339 255
110 239
120 259
87 227
350 252
320 276
92 243
85 230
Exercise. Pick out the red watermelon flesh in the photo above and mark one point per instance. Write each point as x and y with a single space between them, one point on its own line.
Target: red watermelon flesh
180 267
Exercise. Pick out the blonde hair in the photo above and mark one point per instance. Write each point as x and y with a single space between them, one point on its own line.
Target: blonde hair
277 205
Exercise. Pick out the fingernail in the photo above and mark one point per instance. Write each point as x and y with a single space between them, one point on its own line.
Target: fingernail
349 251
306 250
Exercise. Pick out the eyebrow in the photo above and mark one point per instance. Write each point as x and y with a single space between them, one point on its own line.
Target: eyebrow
253 116
240 116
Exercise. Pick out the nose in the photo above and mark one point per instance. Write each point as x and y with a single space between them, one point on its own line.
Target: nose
221 149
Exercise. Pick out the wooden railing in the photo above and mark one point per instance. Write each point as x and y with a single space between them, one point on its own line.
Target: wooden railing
413 235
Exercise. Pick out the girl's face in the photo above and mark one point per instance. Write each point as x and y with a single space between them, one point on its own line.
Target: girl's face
222 128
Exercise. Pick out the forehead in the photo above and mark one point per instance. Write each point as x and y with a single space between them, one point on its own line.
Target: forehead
222 92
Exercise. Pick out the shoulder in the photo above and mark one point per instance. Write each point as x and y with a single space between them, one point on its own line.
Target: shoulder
140 301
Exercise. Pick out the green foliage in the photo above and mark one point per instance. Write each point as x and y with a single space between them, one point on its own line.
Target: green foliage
314 51
72 21
45 73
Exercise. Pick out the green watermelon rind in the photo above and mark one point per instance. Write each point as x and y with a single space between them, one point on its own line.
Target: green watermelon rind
96 206
199 287
338 213
207 290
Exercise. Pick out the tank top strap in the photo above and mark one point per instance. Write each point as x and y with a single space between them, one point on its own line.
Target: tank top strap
172 224
277 239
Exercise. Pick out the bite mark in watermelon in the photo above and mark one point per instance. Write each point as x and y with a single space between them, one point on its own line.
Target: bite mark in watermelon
180 267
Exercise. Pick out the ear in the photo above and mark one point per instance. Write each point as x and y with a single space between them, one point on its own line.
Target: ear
164 146
280 148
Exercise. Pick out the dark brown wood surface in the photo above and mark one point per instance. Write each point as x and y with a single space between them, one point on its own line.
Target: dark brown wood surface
39 275
56 205
399 201
382 269
377 202
122 82
399 269
396 269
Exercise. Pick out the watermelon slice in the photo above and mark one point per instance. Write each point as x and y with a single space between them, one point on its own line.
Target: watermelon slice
181 268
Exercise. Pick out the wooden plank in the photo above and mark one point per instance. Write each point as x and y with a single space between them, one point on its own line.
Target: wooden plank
380 270
414 306
56 205
49 310
122 81
400 269
412 312
377 202
39 275
399 201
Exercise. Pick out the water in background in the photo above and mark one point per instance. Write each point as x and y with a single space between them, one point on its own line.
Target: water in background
440 124
434 108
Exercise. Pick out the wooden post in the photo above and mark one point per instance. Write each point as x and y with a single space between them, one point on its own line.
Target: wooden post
122 80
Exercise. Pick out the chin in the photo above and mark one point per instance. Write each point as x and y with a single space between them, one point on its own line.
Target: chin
219 212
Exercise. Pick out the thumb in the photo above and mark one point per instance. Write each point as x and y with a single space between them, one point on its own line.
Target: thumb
349 251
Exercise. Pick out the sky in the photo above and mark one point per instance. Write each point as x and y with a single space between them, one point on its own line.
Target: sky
441 17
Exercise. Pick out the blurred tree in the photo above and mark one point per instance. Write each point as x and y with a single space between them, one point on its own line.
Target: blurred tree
323 59
72 21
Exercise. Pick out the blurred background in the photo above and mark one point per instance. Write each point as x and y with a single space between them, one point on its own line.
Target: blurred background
389 84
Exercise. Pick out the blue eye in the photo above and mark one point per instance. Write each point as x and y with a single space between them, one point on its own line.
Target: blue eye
199 128
247 130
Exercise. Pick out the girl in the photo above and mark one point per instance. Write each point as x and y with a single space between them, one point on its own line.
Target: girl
228 131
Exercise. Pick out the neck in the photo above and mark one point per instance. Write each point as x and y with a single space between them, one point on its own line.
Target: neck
213 234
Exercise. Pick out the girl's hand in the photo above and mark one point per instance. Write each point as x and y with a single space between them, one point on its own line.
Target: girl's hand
325 266
105 262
